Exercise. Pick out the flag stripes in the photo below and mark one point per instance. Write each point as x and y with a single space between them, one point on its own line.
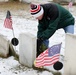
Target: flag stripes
48 59
8 23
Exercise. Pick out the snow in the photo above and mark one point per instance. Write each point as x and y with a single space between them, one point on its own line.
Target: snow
9 66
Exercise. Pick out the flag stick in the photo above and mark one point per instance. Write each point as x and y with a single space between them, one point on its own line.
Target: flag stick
13 36
13 33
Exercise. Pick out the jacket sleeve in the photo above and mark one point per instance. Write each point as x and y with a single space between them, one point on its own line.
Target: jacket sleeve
46 34
40 29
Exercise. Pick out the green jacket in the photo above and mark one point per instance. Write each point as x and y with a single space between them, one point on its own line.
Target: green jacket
55 17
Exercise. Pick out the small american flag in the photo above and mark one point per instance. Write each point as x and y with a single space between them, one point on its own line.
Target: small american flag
8 21
70 4
49 56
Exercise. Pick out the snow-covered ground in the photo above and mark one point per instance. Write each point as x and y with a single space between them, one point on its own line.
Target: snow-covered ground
23 23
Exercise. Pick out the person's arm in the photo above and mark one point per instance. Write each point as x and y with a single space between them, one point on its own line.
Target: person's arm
40 29
49 31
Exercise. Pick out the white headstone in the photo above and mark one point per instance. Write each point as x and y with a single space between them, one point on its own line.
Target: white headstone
70 55
27 49
4 46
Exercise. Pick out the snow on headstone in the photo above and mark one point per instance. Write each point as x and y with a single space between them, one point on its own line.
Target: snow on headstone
27 49
70 55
